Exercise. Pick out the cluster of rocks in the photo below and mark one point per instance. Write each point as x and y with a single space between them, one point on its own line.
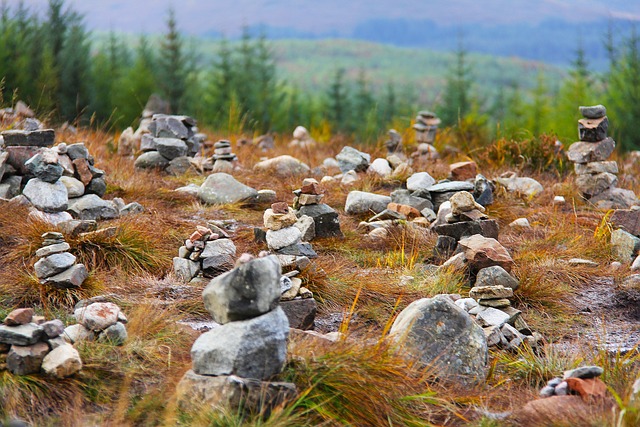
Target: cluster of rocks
98 320
205 252
596 177
223 158
301 139
233 363
29 344
426 127
285 232
577 382
625 242
59 183
170 145
297 301
19 117
55 266
315 219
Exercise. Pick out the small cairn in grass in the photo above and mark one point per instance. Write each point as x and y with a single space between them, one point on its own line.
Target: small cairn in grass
223 158
283 236
596 176
579 381
205 252
29 344
98 320
315 219
234 363
56 266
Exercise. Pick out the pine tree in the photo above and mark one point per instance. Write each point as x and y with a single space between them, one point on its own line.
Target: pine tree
173 76
539 109
338 102
75 74
456 99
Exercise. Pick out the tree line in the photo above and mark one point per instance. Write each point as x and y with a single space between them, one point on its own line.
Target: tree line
51 63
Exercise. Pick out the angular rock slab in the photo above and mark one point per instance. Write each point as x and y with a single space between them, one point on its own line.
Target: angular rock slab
628 220
325 219
496 276
92 207
63 361
300 312
360 202
37 138
254 348
232 392
351 159
247 291
443 335
482 252
458 230
71 278
20 335
587 152
24 360
221 188
46 196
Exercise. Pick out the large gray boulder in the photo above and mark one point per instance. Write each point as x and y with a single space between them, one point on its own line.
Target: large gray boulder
246 291
360 202
282 166
47 197
92 207
350 159
254 348
442 335
221 188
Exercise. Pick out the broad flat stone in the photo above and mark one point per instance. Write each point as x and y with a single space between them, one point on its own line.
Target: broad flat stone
596 167
587 152
19 316
53 264
70 278
20 335
495 303
591 185
584 372
221 188
490 292
481 252
451 187
92 207
37 138
52 249
359 203
593 111
492 317
487 228
282 238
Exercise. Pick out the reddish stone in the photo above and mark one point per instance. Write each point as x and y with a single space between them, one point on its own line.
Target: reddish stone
628 220
280 208
462 171
311 188
408 211
20 316
19 155
482 252
587 389
83 173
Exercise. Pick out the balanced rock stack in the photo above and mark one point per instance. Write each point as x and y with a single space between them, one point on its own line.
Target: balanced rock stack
29 344
301 138
233 362
170 145
315 219
98 320
56 267
394 143
297 301
597 177
283 236
426 128
206 252
223 158
463 217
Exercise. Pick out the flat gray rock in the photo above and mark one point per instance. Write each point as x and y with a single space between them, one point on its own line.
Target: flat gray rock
351 159
53 264
496 276
222 188
92 207
420 181
253 348
20 335
70 278
248 290
46 196
360 203
151 160
171 148
451 186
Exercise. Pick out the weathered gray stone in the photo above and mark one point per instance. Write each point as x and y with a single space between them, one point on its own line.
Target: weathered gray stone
307 228
420 181
492 317
380 167
75 188
496 276
490 292
92 207
282 166
218 256
70 278
10 187
151 160
625 246
587 152
221 188
96 186
584 372
615 198
282 238
76 333
451 187
443 335
481 252
185 269
593 130
77 151
487 228
593 111
248 290
115 334
38 138
359 203
596 167
253 348
351 159
148 143
53 264
20 335
591 185
44 166
62 362
326 223
19 316
98 315
170 148
300 312
24 360
131 209
53 328
46 196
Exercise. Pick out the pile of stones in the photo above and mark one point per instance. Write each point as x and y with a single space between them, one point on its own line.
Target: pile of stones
573 382
323 219
597 177
301 138
297 301
284 234
426 127
233 362
394 143
170 145
223 158
98 320
56 267
29 344
205 252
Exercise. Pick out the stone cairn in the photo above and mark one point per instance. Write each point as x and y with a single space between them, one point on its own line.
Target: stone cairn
233 362
56 267
596 177
297 301
315 219
170 145
98 320
29 344
394 143
578 381
284 237
59 183
426 128
205 252
223 158
301 138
